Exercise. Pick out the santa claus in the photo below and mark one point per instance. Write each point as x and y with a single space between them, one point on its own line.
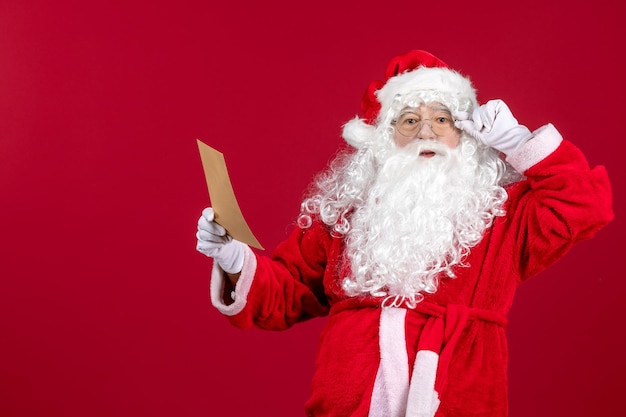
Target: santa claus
413 242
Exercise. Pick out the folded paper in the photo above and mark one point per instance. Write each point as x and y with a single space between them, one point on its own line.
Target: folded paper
225 206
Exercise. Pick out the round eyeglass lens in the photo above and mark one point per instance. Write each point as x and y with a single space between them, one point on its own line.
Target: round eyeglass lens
409 124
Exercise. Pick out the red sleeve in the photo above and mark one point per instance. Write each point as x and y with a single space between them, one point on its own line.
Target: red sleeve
288 287
562 202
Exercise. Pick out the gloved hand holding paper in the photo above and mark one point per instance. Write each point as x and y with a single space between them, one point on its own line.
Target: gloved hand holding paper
227 211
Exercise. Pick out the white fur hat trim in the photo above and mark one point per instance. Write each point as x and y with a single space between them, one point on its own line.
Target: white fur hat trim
428 84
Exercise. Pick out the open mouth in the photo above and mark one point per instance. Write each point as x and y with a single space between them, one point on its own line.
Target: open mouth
427 153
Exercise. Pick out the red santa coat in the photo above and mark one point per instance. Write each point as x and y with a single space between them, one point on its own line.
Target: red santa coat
448 356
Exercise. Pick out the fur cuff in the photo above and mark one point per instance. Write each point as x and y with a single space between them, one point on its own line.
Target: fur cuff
545 141
241 289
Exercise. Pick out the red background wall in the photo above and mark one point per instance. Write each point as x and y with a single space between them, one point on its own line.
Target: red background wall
103 302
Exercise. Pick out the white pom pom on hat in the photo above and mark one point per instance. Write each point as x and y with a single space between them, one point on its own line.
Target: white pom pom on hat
357 133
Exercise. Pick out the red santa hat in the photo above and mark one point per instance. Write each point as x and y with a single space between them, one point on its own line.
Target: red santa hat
416 76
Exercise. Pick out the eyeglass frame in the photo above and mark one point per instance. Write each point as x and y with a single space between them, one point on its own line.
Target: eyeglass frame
395 121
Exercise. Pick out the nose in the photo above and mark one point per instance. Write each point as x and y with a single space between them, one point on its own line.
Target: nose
425 131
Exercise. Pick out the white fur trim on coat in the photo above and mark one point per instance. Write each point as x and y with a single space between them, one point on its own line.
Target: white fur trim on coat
241 289
391 387
423 398
545 140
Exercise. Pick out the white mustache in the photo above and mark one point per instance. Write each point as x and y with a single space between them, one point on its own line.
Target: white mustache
427 145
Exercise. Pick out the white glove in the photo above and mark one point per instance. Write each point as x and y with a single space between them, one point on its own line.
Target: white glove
213 241
494 125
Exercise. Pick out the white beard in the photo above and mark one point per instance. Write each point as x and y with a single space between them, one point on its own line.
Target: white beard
418 220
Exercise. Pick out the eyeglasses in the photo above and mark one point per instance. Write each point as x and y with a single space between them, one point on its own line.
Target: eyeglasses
409 124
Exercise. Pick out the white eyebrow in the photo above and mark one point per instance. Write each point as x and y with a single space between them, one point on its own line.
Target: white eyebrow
435 107
439 107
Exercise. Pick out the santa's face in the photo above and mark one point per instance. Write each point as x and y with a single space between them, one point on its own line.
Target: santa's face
428 121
